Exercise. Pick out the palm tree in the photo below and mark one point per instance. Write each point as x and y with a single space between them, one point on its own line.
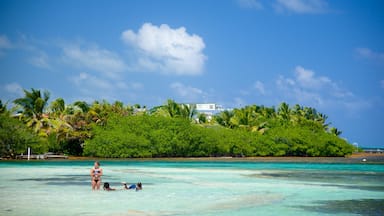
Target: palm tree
202 118
335 131
58 106
84 106
284 111
224 118
244 117
33 103
310 113
172 107
322 120
187 111
3 107
173 110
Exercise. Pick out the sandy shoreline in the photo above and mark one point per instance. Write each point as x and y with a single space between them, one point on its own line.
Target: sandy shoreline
368 158
355 158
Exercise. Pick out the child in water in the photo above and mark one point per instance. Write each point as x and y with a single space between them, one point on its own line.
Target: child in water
137 186
107 187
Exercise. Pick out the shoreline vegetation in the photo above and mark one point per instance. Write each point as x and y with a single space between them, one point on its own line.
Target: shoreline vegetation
377 158
172 130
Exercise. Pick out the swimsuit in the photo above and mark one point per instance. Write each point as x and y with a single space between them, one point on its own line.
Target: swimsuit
132 186
96 172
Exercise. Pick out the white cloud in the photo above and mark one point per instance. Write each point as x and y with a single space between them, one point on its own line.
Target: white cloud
130 85
188 93
251 4
136 85
31 47
259 86
302 6
317 91
41 61
306 78
239 102
4 44
14 89
370 54
103 76
95 87
94 58
171 51
86 80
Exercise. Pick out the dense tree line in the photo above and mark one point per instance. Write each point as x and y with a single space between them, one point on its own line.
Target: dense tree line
116 130
158 136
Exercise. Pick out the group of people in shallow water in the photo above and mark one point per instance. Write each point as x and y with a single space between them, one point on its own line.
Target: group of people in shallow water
97 172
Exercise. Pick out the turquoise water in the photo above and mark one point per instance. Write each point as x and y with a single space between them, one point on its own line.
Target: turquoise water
192 188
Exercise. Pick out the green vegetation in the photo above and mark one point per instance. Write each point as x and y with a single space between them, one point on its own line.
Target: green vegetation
114 130
15 137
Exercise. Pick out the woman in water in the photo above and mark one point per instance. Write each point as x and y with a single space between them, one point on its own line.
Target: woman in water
96 173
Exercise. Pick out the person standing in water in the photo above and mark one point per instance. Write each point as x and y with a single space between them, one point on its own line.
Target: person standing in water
96 173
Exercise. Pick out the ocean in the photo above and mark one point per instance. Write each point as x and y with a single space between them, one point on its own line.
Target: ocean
202 188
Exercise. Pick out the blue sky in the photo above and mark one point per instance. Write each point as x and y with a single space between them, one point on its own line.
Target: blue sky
325 54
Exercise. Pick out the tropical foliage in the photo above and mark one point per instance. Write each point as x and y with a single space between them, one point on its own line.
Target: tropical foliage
116 130
15 136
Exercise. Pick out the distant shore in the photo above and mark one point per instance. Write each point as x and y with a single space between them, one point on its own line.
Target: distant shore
368 158
354 158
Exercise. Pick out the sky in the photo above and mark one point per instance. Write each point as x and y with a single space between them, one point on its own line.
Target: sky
323 54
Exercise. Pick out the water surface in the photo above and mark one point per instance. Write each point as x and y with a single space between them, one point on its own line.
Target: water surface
192 188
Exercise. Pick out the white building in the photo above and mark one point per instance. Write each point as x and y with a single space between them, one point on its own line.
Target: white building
209 109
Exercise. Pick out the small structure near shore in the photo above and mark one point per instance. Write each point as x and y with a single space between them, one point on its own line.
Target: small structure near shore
46 156
373 150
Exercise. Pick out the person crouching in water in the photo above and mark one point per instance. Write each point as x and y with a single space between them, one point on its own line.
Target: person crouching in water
107 187
137 186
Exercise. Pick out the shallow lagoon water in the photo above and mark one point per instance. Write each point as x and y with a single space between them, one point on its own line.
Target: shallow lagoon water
192 188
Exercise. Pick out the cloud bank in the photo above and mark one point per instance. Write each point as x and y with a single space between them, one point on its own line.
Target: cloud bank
167 50
306 87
